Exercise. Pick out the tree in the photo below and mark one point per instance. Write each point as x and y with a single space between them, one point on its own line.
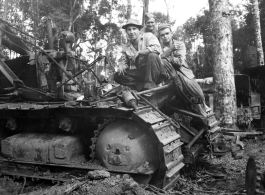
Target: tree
129 9
256 21
145 10
224 84
167 7
96 24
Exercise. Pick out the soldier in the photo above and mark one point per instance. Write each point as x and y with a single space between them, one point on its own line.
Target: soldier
174 61
140 66
150 25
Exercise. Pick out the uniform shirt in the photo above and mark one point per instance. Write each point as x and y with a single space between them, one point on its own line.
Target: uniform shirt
177 57
146 41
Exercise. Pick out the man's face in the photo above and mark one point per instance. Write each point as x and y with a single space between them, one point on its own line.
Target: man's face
132 32
165 35
150 24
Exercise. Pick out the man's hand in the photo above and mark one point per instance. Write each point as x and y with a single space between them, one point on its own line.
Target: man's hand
177 46
136 56
122 68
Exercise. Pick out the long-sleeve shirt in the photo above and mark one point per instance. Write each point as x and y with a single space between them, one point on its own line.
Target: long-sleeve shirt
146 41
177 57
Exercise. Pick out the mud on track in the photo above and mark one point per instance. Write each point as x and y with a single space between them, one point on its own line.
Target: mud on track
223 175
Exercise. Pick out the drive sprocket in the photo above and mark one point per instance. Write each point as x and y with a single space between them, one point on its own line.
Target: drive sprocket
97 131
254 178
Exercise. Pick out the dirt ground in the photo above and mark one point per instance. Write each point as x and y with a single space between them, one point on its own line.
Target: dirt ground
211 175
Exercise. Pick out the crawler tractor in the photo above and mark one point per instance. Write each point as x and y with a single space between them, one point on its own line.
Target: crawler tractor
47 131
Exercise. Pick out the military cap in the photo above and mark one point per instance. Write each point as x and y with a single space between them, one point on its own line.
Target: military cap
148 17
163 26
132 22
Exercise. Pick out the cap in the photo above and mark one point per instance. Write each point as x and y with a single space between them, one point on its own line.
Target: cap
148 17
163 26
133 22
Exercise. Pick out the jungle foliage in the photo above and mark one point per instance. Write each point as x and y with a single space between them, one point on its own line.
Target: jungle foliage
198 27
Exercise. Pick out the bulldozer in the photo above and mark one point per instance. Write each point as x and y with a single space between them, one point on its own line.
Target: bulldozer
48 132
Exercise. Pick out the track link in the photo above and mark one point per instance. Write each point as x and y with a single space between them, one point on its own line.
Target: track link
169 144
254 178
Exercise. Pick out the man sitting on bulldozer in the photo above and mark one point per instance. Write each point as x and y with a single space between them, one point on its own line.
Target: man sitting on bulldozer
174 61
140 66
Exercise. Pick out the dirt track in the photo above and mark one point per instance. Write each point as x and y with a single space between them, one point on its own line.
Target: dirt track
210 176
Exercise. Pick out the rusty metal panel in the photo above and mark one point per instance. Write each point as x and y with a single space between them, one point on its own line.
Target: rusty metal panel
172 164
255 105
26 147
64 149
151 117
173 155
174 170
42 148
172 176
165 133
211 121
21 106
255 99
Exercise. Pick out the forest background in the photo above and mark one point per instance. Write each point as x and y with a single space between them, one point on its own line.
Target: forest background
97 27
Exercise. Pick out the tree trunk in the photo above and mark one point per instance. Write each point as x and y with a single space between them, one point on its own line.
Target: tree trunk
5 10
145 10
167 6
109 40
129 9
49 32
224 82
71 22
256 21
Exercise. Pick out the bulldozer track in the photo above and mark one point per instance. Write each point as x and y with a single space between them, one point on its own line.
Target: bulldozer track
164 134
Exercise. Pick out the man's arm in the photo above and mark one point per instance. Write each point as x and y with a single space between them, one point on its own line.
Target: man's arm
166 53
144 52
152 44
176 54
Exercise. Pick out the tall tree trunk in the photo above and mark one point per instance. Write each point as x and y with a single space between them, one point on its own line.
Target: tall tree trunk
109 40
72 10
49 32
5 10
145 10
129 9
256 20
167 7
71 22
224 82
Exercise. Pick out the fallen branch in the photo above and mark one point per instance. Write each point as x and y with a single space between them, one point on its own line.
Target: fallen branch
73 187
